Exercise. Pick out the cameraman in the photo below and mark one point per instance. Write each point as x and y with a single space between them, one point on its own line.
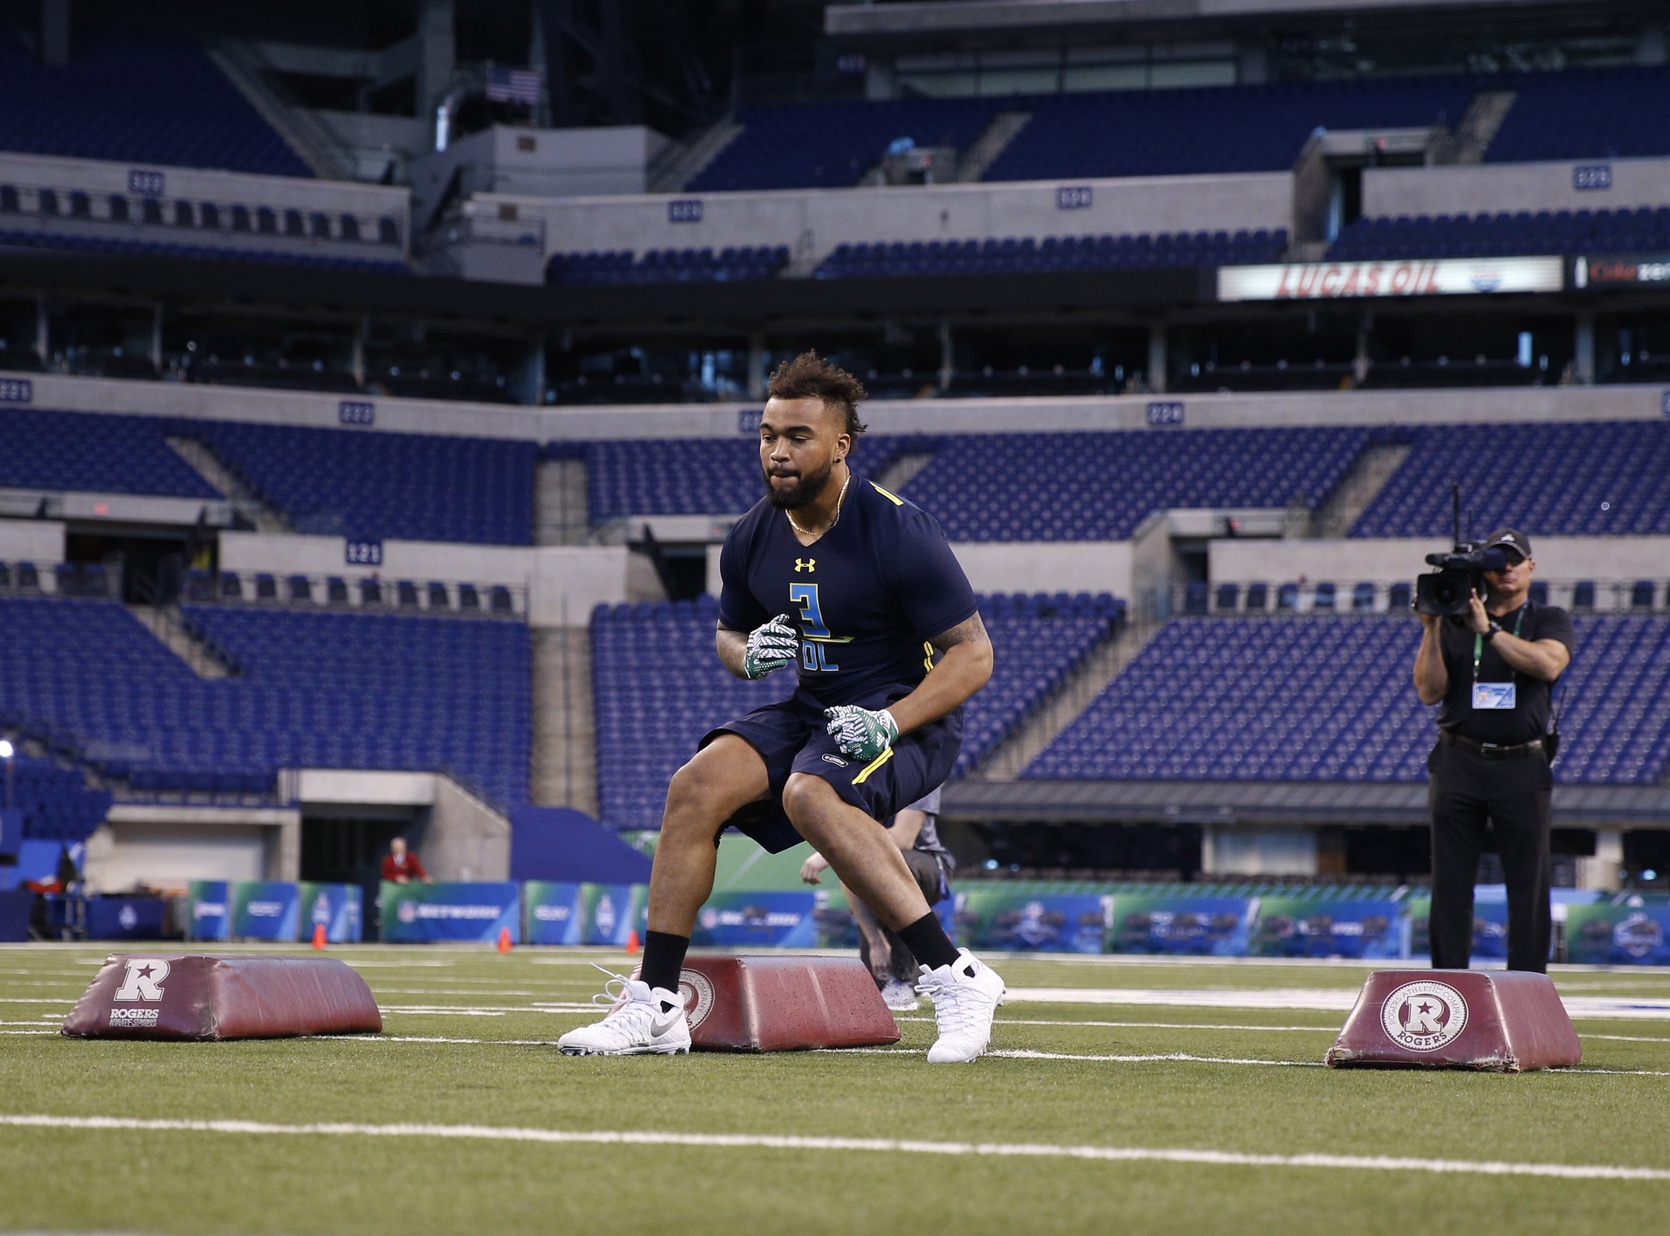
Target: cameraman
1491 670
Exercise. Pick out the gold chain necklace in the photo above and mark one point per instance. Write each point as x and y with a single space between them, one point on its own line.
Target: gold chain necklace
840 505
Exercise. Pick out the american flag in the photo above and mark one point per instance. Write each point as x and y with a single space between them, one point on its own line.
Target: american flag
507 85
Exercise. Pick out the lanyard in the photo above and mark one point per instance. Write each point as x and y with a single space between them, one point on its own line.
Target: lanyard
1478 645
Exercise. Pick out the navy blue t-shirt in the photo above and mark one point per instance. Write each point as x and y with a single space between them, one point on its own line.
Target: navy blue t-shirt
866 597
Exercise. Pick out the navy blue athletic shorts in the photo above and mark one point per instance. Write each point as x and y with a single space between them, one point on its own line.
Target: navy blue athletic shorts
791 738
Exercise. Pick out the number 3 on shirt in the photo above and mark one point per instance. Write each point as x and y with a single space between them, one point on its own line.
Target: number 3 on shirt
812 628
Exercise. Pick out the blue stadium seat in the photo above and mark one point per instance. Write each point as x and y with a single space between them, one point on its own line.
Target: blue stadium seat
1346 712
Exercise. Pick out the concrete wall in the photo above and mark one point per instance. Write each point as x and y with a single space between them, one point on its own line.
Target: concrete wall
1493 187
812 222
514 162
40 541
562 582
465 838
727 420
169 845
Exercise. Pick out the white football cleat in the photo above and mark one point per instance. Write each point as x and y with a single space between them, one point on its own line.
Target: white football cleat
966 994
637 1024
900 996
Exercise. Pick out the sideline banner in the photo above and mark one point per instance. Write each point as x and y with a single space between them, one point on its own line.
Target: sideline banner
1436 277
263 910
1190 926
612 912
836 927
1000 918
421 913
553 912
1490 928
210 902
338 908
1308 927
757 918
1618 935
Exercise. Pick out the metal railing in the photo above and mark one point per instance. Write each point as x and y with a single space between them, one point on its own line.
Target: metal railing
366 593
1330 598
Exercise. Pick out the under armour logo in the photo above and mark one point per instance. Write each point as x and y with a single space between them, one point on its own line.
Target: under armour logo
805 564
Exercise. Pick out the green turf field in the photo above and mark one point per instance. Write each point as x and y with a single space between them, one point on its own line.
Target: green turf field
455 1119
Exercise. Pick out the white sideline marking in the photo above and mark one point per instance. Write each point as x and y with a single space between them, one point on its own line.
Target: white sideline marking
1310 999
876 1145
1168 1025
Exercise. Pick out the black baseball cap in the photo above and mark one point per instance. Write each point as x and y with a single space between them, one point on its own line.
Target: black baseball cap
1509 538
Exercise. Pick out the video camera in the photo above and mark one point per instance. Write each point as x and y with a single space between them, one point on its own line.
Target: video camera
1446 592
1460 574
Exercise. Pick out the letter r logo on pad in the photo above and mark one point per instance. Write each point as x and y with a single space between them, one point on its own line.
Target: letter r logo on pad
143 980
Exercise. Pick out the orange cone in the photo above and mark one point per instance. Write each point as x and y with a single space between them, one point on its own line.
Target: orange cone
504 939
319 936
633 944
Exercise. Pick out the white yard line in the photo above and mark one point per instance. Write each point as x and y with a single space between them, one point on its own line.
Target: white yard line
1152 1025
1311 999
888 1146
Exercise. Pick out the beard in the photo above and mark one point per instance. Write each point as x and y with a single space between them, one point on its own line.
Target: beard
806 489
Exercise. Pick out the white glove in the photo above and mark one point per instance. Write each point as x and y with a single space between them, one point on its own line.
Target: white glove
770 647
860 733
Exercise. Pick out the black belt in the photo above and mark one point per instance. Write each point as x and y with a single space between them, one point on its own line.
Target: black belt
1491 750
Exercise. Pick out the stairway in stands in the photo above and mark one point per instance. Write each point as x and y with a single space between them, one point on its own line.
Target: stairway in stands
1068 700
564 772
243 499
560 515
1368 476
165 622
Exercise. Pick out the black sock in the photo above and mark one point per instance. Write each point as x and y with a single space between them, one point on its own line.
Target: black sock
927 941
663 959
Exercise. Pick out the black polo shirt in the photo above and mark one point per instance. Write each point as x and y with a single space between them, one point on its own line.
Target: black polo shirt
1528 718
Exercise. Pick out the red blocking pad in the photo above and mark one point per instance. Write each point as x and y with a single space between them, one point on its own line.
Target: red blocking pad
1498 1022
783 1004
200 997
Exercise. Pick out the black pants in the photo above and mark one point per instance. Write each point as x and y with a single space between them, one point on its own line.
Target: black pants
1514 796
931 880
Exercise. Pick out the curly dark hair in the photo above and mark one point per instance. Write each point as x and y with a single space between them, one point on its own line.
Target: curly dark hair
809 376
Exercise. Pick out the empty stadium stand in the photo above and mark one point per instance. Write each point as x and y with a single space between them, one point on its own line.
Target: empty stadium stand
659 686
667 266
1012 255
315 690
417 487
1089 135
826 145
365 486
1504 234
57 803
1100 486
692 476
1307 699
1008 487
1584 114
1223 129
156 247
141 97
1572 478
99 454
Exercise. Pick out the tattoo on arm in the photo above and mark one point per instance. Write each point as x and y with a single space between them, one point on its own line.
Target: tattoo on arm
969 631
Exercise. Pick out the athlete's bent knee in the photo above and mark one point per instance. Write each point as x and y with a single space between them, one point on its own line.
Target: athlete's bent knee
806 799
